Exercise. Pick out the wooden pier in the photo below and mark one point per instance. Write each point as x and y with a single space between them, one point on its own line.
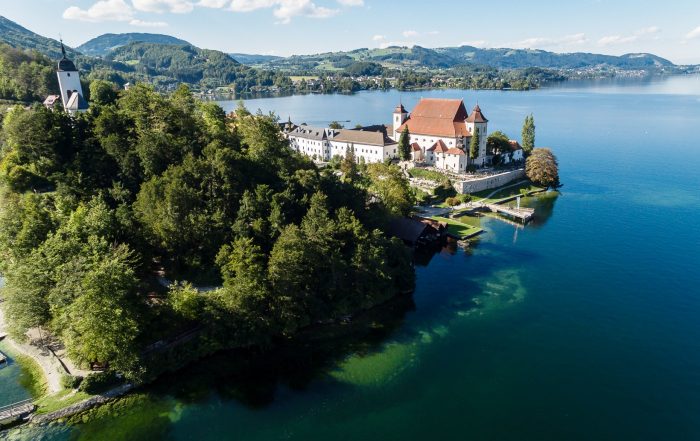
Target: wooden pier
17 411
523 214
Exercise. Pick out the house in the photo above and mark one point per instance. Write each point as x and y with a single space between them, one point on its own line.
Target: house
51 100
441 127
417 230
515 153
311 141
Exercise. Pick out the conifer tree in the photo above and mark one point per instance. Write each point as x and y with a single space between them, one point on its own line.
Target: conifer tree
528 134
474 145
405 145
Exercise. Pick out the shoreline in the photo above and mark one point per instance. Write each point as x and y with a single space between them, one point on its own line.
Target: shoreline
52 375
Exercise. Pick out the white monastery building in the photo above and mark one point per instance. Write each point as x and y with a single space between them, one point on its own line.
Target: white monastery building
440 132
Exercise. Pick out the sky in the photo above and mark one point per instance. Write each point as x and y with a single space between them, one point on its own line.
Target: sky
286 27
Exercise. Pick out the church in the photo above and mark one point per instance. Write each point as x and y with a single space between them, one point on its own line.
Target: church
71 96
440 132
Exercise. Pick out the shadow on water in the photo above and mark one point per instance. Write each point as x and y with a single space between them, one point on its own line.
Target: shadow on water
544 208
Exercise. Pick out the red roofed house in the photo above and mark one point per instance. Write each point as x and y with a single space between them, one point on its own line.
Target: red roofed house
442 129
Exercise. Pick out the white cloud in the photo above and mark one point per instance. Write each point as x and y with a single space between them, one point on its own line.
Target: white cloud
160 6
217 4
148 24
695 33
109 10
379 38
104 10
352 2
284 10
542 42
610 40
409 34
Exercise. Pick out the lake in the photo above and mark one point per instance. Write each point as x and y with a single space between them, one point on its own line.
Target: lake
583 325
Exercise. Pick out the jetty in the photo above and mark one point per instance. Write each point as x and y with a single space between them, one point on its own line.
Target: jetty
14 412
523 214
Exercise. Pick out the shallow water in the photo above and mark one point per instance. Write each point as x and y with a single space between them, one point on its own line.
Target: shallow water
583 325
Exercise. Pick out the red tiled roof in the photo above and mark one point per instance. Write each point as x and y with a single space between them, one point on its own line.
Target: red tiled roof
455 151
415 147
514 145
439 147
438 117
477 116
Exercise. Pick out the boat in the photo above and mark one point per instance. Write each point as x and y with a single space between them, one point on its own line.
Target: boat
3 360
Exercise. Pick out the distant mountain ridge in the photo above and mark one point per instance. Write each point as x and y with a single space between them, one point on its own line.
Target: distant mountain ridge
22 38
102 45
447 57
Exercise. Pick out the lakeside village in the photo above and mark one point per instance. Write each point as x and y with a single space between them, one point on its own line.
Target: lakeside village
445 152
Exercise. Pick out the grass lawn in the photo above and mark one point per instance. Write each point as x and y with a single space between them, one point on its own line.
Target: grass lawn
429 175
303 77
458 228
65 398
505 193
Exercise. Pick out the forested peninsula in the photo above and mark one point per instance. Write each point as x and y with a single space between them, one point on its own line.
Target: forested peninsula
111 221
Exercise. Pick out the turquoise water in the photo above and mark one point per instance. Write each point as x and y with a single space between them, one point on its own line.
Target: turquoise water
584 325
11 376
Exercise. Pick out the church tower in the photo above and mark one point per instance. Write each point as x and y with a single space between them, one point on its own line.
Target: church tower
69 83
477 122
400 117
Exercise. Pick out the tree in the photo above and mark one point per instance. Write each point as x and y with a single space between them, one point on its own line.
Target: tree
405 144
102 92
335 125
349 165
542 168
392 188
497 143
474 145
528 135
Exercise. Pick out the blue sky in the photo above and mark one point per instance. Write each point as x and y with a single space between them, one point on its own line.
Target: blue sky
285 27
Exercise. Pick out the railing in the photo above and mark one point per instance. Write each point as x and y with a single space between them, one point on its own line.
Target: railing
15 409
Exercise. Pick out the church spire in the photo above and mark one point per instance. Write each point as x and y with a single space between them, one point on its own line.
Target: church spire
63 49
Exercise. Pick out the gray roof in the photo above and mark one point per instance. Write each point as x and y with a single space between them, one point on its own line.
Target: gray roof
313 133
364 137
408 230
76 102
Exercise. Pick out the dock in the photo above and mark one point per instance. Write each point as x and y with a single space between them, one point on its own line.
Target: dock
3 359
16 411
524 214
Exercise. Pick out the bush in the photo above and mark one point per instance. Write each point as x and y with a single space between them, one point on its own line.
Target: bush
464 198
452 201
71 381
446 190
99 382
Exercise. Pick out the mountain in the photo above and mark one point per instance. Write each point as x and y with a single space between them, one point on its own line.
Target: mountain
447 57
102 45
251 59
169 63
22 38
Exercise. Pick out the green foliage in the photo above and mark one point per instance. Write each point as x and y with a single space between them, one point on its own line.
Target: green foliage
474 145
335 125
92 207
26 76
497 143
542 168
103 92
528 135
405 145
99 382
392 188
71 381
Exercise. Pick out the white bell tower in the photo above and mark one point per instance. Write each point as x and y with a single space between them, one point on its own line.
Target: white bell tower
69 83
400 117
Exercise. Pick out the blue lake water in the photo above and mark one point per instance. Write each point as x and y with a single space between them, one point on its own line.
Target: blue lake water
583 325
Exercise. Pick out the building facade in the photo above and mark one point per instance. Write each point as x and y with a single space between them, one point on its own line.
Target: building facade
322 144
440 133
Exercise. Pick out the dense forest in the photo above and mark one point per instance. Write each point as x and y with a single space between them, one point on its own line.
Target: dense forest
110 219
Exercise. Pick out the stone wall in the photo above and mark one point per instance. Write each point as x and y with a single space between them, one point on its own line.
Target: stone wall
488 182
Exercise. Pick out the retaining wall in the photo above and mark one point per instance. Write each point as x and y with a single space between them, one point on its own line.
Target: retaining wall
488 182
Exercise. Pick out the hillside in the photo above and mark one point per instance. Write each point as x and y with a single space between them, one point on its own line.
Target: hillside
252 60
166 63
420 57
21 38
102 45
